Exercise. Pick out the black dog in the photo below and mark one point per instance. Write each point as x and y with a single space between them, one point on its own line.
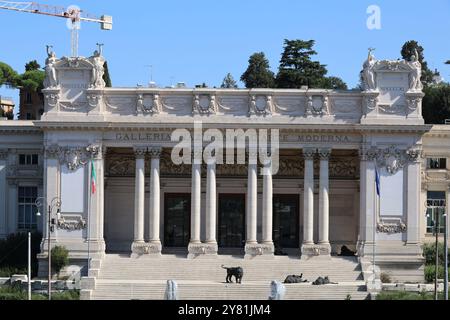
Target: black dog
237 272
321 281
346 252
295 279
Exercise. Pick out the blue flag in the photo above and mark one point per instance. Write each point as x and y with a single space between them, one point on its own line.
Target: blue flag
377 181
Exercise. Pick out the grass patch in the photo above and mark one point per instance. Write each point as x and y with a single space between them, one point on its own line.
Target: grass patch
14 293
405 295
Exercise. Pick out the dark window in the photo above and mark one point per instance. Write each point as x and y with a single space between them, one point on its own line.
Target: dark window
177 220
28 159
27 209
435 210
436 163
28 98
231 220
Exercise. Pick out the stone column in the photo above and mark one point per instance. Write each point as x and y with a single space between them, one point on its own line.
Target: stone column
101 190
51 189
252 200
324 211
194 247
267 211
367 200
139 199
97 243
154 205
211 211
308 198
413 197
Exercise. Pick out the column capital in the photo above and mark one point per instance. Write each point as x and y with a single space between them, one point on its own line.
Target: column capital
52 151
155 152
324 153
197 156
139 151
309 153
414 155
368 153
210 160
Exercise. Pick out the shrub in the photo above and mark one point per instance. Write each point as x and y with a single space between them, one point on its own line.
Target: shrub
16 293
6 272
66 295
60 258
430 271
429 253
385 278
14 252
403 295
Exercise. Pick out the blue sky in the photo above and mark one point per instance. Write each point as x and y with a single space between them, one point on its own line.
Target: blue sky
200 41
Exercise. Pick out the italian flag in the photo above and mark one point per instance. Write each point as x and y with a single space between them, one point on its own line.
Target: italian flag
93 178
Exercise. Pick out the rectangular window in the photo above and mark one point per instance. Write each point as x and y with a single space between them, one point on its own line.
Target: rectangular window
436 163
435 211
28 159
28 98
27 209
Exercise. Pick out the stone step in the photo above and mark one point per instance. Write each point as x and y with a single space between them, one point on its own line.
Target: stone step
218 291
122 277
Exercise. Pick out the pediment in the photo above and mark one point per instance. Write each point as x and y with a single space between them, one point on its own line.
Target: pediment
73 63
392 66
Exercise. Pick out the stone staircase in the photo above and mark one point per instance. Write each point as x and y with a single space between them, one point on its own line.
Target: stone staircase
123 278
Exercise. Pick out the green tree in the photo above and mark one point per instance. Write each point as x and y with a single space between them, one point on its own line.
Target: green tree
332 83
258 74
408 50
296 67
32 80
106 76
32 65
228 82
436 103
60 258
8 76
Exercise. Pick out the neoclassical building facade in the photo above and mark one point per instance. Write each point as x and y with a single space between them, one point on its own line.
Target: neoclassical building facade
322 197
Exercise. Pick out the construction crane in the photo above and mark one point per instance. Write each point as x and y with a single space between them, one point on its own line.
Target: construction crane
73 14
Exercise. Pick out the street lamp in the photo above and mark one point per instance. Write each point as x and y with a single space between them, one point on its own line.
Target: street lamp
55 203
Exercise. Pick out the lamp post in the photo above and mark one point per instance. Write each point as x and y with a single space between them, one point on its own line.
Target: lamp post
446 258
55 203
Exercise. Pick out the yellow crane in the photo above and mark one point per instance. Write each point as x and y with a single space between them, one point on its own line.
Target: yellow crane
73 14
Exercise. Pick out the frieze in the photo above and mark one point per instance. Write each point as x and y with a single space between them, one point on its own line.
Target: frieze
123 165
73 157
71 223
391 228
260 105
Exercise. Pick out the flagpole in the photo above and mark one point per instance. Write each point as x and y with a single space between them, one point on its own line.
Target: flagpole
375 213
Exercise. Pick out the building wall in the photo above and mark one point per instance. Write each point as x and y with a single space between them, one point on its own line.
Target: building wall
31 105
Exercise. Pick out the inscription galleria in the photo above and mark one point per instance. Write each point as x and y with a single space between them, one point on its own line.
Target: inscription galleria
155 136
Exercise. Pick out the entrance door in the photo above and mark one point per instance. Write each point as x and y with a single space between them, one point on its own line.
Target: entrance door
285 220
231 220
177 213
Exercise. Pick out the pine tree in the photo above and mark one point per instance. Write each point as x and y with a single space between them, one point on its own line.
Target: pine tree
258 74
297 69
408 50
228 82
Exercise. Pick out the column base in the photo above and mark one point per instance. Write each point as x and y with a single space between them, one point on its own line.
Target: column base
321 250
143 248
253 250
197 249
